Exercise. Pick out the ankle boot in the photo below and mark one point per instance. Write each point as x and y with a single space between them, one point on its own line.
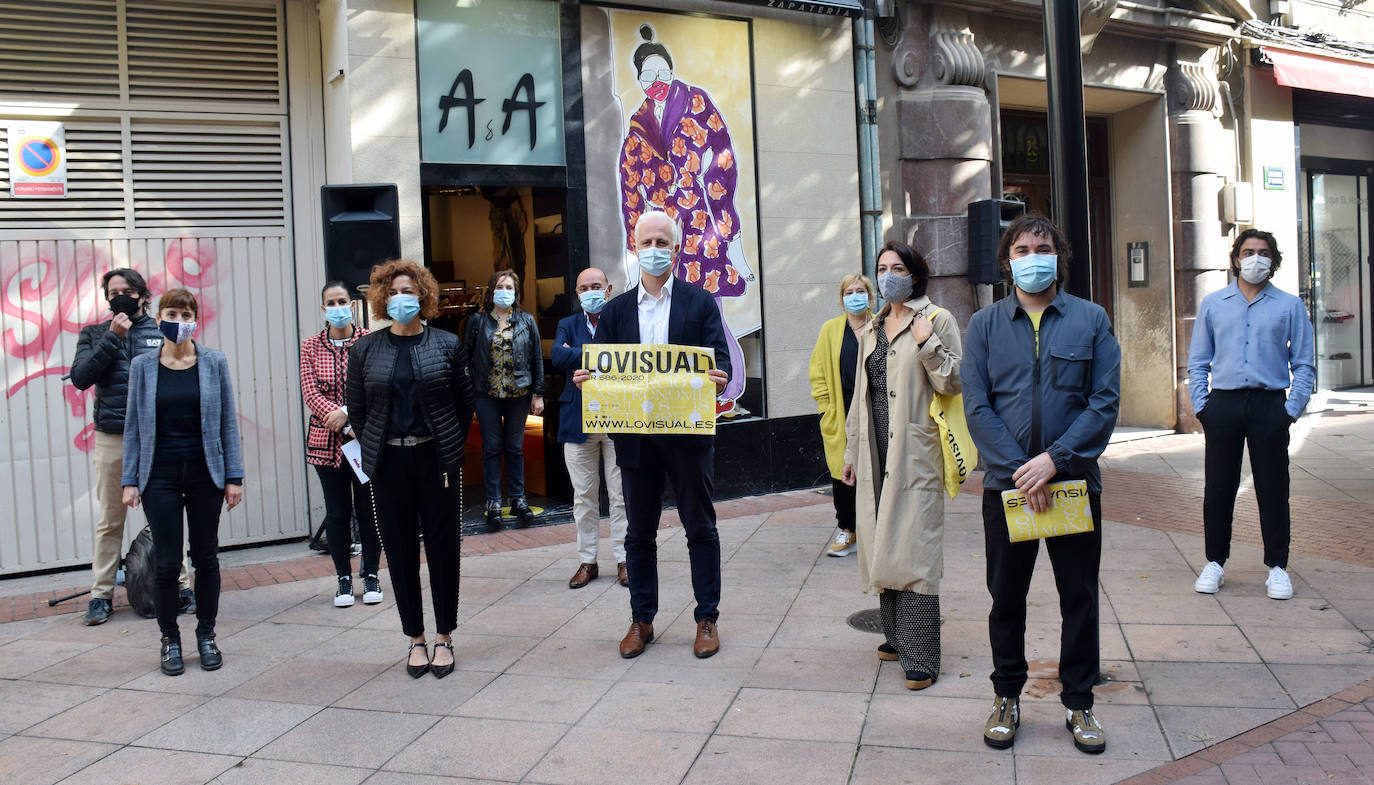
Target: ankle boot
171 657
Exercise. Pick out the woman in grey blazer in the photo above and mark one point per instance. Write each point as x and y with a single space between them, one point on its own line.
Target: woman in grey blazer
182 456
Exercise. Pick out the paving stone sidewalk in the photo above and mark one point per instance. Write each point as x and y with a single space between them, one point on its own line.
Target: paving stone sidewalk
1204 689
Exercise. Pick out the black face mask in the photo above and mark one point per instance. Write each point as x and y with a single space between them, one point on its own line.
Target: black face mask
125 304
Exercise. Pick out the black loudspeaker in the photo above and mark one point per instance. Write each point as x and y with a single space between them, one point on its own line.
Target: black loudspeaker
987 220
361 229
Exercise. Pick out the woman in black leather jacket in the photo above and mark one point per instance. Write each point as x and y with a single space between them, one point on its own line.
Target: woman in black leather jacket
502 342
409 403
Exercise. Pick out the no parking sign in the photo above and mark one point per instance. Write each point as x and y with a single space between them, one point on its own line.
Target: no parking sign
38 159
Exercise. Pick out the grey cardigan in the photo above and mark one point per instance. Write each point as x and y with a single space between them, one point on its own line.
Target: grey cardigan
219 426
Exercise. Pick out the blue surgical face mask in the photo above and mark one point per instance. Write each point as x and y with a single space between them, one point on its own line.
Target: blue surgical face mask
856 302
655 261
1033 274
177 332
338 315
895 288
504 298
593 300
403 308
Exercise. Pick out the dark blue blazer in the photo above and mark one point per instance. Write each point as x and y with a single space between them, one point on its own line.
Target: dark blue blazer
572 330
693 320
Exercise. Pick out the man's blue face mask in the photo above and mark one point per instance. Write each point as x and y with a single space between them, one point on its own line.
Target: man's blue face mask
1033 274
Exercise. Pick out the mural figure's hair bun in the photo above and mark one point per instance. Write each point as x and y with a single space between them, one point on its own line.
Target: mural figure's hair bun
646 32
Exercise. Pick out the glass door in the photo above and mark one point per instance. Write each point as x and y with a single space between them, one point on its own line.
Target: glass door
1339 275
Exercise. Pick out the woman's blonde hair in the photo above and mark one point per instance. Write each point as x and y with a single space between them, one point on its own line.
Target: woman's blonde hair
850 280
379 287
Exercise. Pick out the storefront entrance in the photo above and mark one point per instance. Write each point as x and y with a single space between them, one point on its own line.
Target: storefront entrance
470 233
1338 273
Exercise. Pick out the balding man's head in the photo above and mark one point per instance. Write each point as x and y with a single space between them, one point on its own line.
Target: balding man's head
592 278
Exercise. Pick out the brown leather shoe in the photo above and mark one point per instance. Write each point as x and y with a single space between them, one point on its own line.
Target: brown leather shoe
586 573
708 639
622 575
641 634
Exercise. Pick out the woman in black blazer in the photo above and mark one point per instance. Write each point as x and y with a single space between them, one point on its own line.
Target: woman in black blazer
409 402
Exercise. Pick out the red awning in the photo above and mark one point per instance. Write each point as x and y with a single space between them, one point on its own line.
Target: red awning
1327 74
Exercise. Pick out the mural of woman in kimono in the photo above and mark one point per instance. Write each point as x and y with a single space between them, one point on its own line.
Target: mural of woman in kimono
677 157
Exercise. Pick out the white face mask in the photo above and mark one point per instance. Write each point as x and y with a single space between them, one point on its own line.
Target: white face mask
1255 269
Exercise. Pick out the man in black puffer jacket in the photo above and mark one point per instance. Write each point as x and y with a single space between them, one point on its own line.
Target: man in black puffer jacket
103 354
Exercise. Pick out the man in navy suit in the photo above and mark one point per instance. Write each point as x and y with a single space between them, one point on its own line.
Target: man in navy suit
582 452
664 309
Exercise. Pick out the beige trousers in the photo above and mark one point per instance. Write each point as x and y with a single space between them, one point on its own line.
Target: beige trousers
584 465
108 547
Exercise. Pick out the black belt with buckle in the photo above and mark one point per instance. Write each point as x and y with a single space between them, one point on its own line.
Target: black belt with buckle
409 441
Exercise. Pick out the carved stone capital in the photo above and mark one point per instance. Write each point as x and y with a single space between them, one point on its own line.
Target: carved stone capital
955 59
1193 87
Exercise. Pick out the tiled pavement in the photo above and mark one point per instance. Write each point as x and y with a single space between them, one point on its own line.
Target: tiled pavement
310 693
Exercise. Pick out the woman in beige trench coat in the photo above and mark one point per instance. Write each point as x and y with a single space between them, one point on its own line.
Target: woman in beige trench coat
909 352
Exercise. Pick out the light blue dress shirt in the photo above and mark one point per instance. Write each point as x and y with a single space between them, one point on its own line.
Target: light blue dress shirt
1255 344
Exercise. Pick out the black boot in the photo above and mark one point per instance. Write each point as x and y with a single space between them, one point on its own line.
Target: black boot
493 514
210 657
524 516
171 657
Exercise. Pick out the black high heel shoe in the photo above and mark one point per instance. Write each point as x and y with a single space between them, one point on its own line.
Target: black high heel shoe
440 671
416 671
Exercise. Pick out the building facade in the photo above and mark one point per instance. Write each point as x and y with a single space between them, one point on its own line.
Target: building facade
518 134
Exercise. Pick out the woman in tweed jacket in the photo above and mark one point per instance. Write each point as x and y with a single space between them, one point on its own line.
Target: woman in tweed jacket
324 375
182 456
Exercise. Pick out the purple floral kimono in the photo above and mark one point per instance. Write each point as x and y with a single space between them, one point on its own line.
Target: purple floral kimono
687 168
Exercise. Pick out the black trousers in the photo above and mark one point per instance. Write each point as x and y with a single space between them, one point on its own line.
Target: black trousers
1234 420
342 496
413 497
502 421
844 504
1075 559
178 488
691 474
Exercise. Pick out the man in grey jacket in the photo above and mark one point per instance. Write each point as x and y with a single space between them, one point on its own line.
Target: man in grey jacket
1042 382
103 354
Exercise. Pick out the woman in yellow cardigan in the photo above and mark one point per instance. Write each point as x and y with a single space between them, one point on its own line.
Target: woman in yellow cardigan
833 363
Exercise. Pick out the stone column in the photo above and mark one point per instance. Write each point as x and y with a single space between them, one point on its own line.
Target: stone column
938 157
1197 159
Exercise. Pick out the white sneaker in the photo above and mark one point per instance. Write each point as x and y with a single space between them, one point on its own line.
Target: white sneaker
343 598
1280 586
1213 577
372 590
842 545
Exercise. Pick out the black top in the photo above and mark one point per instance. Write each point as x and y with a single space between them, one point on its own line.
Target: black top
407 419
849 361
178 414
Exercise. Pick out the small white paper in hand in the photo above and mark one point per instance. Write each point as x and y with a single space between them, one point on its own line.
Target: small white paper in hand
353 453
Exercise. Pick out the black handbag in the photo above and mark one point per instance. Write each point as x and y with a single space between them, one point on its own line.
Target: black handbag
138 574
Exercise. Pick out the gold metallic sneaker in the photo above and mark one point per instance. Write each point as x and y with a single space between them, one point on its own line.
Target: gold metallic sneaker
1000 731
1088 735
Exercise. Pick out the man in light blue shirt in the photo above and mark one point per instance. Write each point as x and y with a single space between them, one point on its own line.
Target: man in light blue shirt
1255 342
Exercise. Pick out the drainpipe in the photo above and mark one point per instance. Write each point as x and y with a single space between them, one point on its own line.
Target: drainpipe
866 102
338 141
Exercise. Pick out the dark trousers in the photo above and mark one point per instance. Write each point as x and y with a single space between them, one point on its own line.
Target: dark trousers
502 421
844 504
178 488
1075 558
342 496
690 472
1234 420
412 498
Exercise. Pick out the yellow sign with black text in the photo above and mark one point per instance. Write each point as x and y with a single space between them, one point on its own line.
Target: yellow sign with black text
648 388
1069 512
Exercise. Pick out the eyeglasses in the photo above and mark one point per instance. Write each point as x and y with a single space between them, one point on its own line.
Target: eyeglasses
649 77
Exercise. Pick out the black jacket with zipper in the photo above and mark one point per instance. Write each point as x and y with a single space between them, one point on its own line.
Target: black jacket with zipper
528 352
102 361
445 388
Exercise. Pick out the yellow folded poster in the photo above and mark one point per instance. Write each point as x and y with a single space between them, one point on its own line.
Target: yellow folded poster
1069 512
648 388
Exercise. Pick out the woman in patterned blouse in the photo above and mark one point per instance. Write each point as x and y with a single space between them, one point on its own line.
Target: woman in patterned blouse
508 373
